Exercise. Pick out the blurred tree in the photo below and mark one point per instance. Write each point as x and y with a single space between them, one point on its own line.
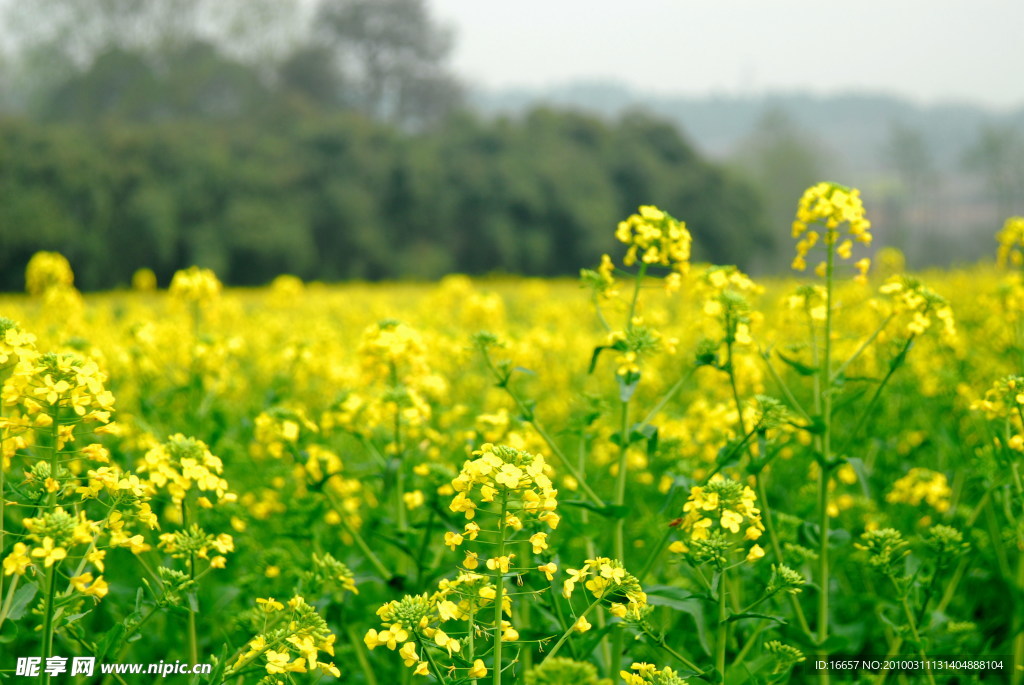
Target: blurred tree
117 83
193 81
781 161
81 30
391 54
343 196
311 74
997 156
916 195
65 47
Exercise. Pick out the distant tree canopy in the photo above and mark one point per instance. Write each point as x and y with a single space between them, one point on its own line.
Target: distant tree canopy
343 196
157 135
153 60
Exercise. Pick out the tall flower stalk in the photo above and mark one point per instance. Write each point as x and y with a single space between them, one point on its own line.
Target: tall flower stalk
822 210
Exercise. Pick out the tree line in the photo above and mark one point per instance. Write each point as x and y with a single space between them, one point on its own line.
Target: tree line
332 145
342 196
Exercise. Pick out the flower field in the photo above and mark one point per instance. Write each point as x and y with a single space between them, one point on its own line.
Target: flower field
664 472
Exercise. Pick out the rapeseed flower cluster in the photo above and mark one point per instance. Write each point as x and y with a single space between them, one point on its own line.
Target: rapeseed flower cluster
655 238
917 305
196 286
828 206
62 389
726 292
642 673
277 431
607 579
1004 399
292 642
719 517
412 625
182 465
503 472
48 271
1011 243
922 485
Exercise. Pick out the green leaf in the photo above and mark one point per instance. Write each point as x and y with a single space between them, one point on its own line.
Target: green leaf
690 604
753 614
111 642
669 596
612 511
627 385
751 671
22 597
620 345
799 367
8 633
816 426
648 432
220 663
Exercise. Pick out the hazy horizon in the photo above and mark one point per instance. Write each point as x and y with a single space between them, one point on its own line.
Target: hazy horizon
927 52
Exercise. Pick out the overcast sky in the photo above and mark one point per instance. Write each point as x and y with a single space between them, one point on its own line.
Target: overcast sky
929 51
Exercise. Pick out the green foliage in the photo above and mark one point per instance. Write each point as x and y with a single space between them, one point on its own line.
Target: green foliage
340 196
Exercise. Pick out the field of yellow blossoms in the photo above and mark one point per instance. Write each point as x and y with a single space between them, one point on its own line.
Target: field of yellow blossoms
662 473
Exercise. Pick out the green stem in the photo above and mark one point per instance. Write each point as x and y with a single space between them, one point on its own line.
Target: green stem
128 634
894 651
471 637
722 629
51 499
1018 642
530 417
929 592
51 588
773 537
730 370
591 553
660 641
569 631
523 620
655 553
9 600
430 660
640 274
621 476
912 624
702 578
499 590
790 397
823 405
667 397
961 567
748 644
896 363
193 638
360 542
620 528
400 515
860 350
559 613
51 580
620 482
1002 560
